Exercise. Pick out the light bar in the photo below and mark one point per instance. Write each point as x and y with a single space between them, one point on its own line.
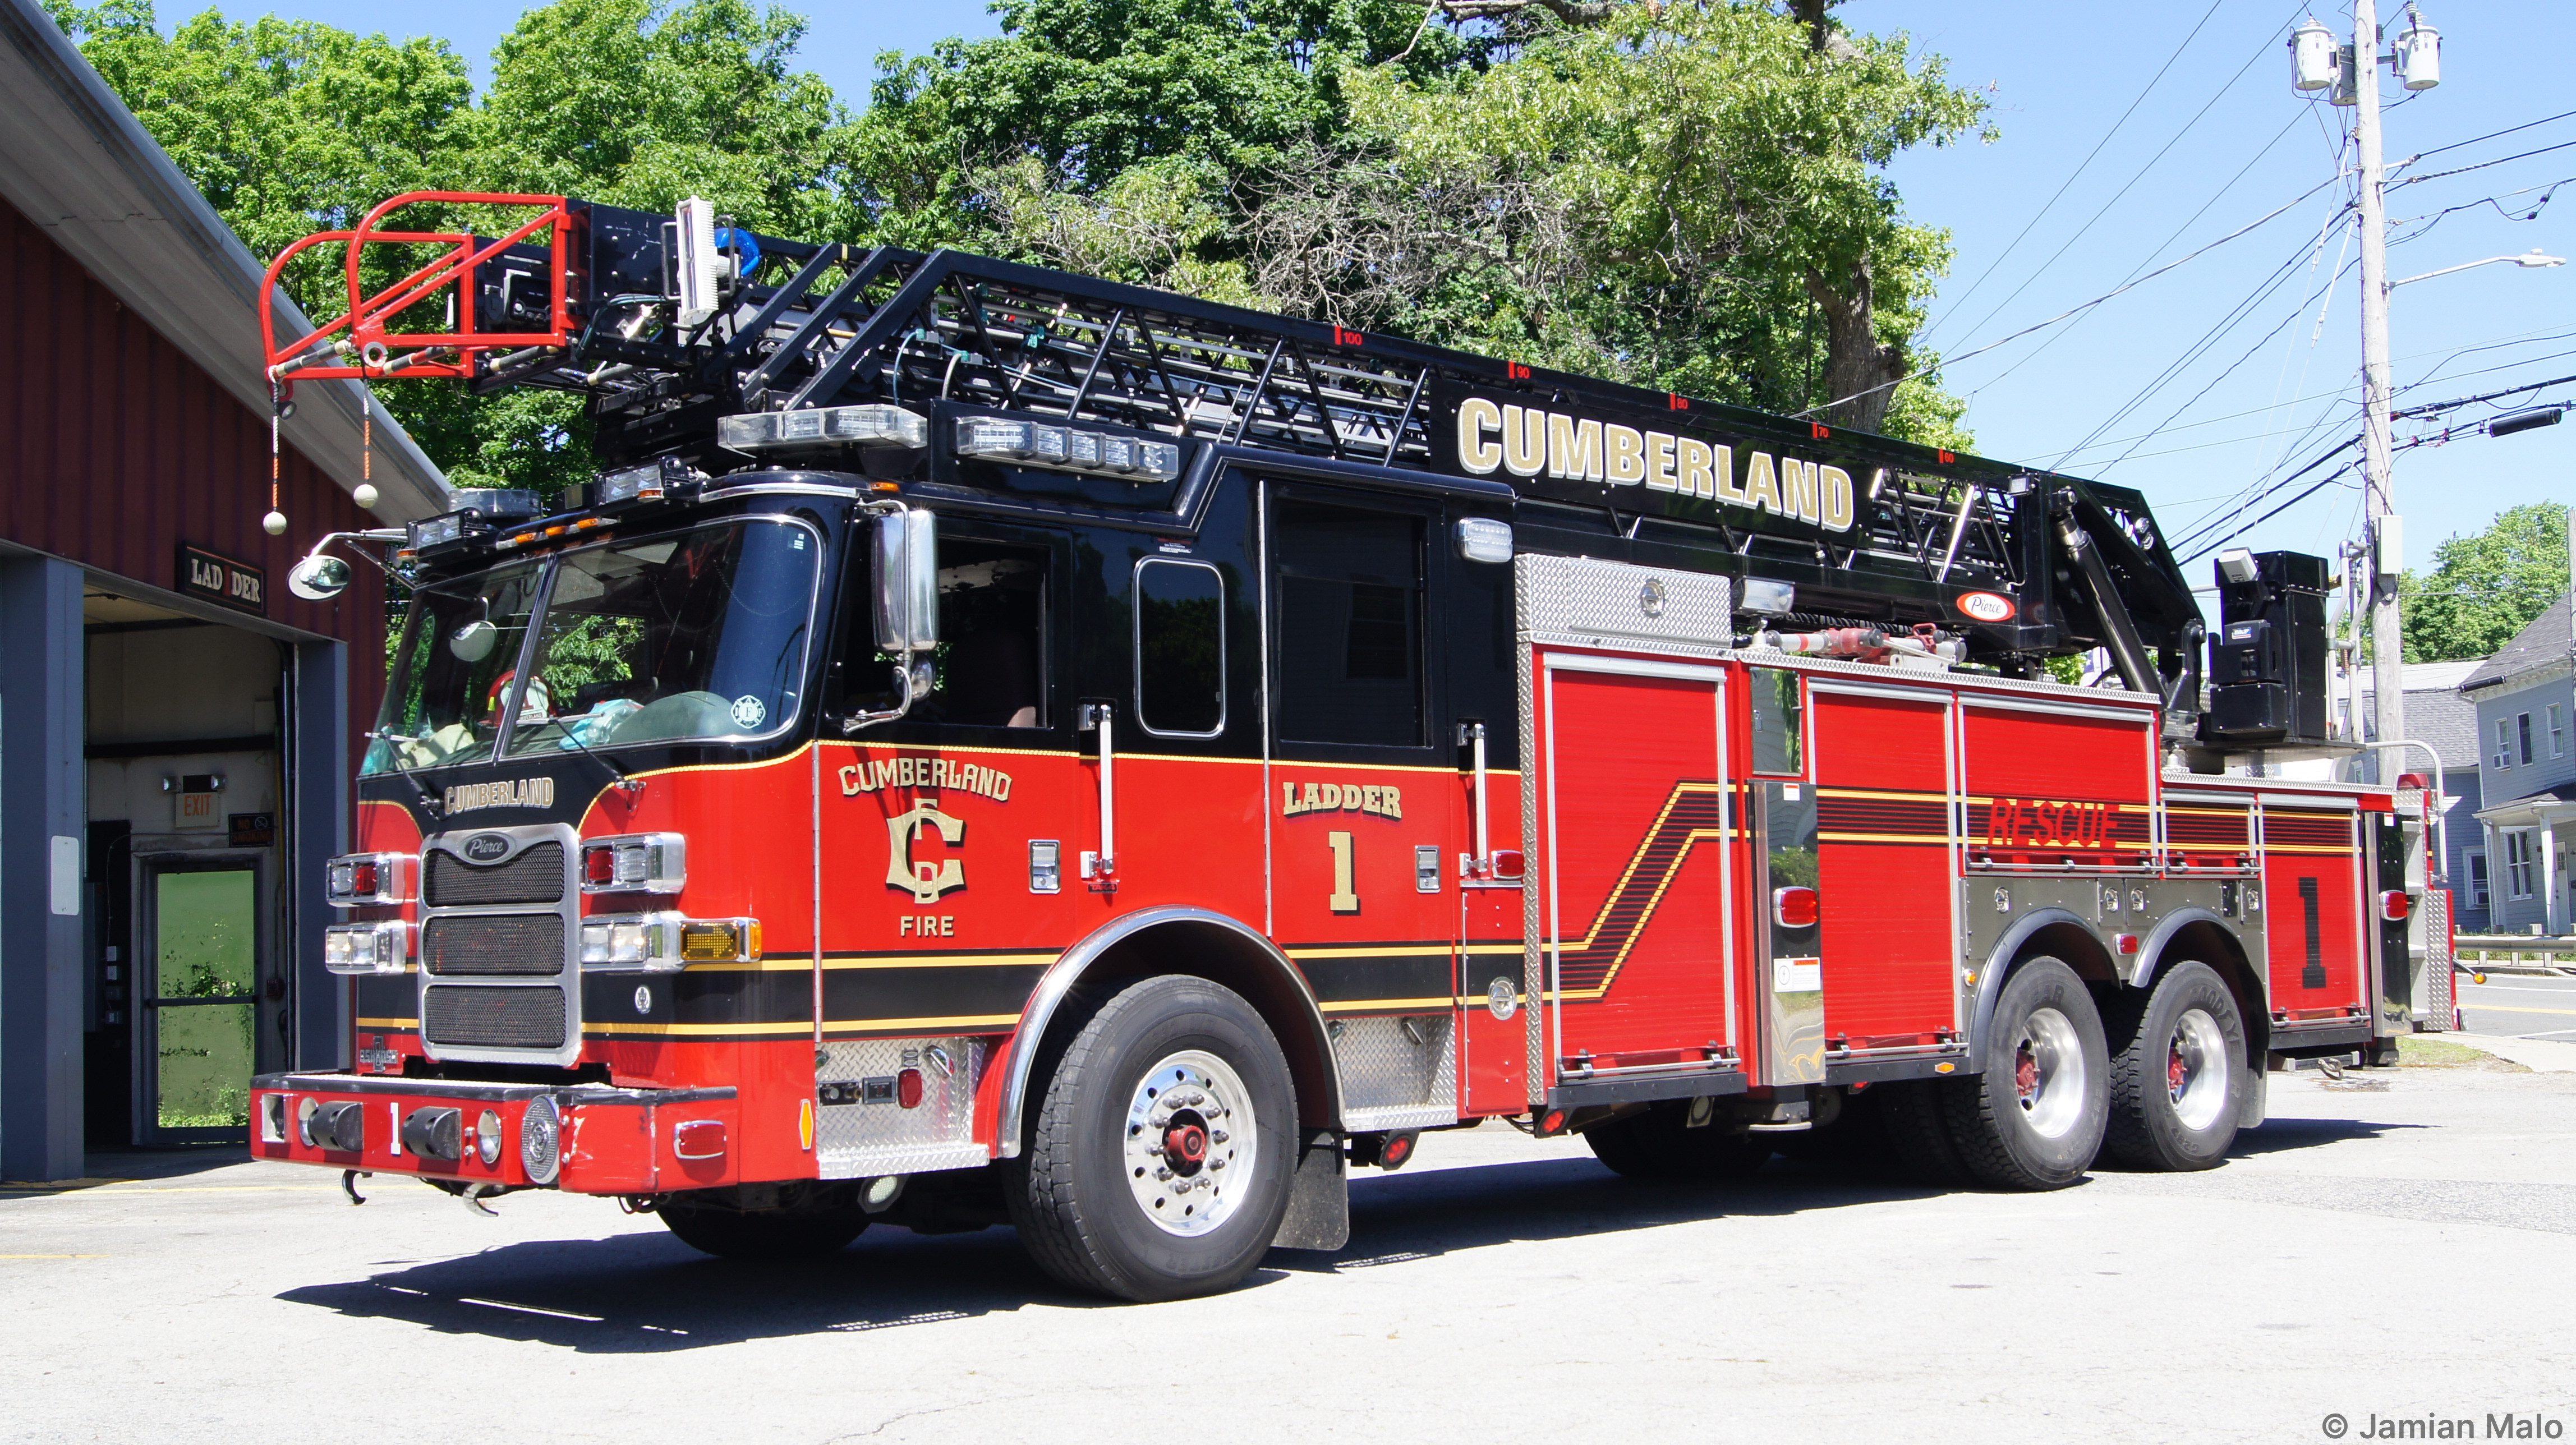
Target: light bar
635 863
664 942
367 947
471 523
1067 449
650 482
752 433
365 880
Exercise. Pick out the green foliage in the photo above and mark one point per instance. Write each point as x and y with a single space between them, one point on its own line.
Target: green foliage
2486 588
1688 196
1677 196
290 127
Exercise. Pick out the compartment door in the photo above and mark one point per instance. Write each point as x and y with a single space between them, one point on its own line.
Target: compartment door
1638 910
1883 857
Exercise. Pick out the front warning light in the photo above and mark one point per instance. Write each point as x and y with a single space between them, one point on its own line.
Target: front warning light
635 863
367 947
664 942
907 1088
363 880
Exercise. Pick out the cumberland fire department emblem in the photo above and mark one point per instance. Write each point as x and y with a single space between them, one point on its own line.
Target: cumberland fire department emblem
927 881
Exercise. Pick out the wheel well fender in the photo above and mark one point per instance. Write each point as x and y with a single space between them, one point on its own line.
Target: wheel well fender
1193 941
2042 933
2198 936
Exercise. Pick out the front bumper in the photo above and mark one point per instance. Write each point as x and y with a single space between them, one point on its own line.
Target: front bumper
609 1140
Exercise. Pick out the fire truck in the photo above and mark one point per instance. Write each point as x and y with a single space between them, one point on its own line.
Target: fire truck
994 746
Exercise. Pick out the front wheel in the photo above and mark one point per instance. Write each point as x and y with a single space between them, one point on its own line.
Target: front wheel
2034 1119
2178 1082
1157 1166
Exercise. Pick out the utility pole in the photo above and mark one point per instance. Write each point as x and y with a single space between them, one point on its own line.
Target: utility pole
2349 75
2387 622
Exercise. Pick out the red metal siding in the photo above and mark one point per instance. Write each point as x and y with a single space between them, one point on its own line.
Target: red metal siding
118 448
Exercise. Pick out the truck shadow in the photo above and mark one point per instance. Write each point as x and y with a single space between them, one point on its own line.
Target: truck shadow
644 1292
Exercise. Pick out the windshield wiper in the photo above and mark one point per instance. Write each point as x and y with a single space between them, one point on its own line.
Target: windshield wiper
624 783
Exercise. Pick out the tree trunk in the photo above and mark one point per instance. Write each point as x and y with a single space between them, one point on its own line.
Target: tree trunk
1861 372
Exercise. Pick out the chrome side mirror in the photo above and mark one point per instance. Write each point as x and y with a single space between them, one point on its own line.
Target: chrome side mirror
907 602
318 578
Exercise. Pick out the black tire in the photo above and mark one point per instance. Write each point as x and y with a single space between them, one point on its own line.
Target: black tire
1657 1143
2035 1118
1856 1137
2179 1079
1092 1215
1916 1127
764 1234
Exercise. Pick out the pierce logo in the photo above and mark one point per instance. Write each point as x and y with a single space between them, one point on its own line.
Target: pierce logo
1987 606
487 847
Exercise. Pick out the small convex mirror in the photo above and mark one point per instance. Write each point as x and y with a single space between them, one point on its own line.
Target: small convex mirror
474 641
318 579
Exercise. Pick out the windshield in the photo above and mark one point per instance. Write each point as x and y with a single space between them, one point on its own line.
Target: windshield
695 635
443 702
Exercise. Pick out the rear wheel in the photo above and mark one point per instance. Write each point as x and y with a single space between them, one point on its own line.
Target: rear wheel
1157 1165
2035 1118
1658 1143
763 1234
2179 1079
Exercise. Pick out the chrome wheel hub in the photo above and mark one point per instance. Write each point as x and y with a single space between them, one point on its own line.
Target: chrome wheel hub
2048 1073
2196 1069
1190 1141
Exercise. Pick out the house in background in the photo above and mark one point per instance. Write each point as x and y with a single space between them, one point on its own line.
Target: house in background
2526 720
2437 714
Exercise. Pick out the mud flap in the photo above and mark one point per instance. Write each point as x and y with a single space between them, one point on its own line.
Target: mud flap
2249 1110
1319 1198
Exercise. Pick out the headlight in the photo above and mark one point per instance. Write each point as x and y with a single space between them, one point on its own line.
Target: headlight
664 942
487 1138
383 947
365 880
541 1140
635 863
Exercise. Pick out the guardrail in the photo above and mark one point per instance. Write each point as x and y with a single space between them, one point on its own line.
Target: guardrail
2517 950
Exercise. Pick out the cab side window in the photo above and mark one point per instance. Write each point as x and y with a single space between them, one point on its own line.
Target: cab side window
1350 643
1180 648
992 668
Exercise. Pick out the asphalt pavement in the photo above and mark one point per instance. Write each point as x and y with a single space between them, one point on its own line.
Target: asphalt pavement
2395 1245
2519 1006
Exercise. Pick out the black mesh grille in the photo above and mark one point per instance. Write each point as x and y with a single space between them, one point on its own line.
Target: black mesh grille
517 943
535 876
500 1018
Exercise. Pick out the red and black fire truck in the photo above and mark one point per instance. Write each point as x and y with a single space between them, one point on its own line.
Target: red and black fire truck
999 746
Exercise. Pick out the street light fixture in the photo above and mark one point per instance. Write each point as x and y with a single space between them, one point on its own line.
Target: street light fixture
2528 260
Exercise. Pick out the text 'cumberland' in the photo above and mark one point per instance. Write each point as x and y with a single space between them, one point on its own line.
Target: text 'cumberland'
1528 442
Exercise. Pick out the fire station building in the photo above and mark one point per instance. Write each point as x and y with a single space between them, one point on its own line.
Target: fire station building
175 727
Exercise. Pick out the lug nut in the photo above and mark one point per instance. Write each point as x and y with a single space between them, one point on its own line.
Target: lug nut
1162 1173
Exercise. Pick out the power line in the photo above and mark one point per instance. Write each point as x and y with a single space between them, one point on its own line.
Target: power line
2141 174
2083 307
2076 174
2490 135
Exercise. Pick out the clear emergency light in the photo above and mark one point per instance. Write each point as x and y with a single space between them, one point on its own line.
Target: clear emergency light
472 523
651 482
753 433
383 947
1067 449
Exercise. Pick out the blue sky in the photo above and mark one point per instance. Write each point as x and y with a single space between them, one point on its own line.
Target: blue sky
2167 129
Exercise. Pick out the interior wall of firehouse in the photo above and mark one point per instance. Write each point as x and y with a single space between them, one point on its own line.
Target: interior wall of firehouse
155 820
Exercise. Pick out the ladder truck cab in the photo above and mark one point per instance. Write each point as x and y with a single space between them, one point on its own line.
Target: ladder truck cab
999 746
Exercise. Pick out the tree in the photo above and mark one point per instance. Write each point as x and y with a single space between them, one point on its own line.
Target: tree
290 127
1690 197
2486 588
